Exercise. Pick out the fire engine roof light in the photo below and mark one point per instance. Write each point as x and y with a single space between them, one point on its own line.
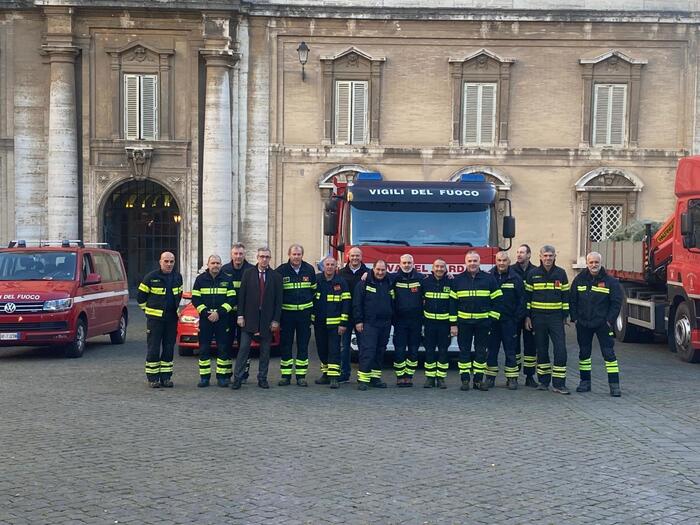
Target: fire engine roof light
22 243
472 177
368 175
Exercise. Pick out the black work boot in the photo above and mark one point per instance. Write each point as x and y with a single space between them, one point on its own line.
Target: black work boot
323 380
584 386
512 383
490 381
223 382
615 390
482 386
203 382
440 381
285 381
362 385
166 382
429 382
301 381
530 381
334 383
375 382
154 384
543 386
560 389
465 385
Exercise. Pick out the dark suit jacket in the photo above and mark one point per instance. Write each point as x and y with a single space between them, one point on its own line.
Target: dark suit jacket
257 318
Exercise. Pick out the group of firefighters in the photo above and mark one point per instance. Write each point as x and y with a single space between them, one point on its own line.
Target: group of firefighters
486 311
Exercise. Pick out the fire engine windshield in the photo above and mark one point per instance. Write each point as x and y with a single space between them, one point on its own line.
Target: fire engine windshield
37 266
421 225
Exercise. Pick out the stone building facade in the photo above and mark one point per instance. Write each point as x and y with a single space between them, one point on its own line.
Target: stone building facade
188 124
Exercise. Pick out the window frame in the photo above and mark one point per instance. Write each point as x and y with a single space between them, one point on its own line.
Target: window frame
479 122
351 116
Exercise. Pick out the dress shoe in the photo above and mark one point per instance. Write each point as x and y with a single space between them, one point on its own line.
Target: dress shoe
223 382
323 380
429 382
465 385
561 389
362 386
441 383
584 386
490 381
530 381
166 383
615 390
285 381
334 383
512 383
262 383
154 384
203 382
301 381
236 384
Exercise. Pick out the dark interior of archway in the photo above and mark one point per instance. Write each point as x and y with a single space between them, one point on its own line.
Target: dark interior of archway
141 220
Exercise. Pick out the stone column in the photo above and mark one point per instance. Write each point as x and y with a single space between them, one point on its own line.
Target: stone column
217 163
62 202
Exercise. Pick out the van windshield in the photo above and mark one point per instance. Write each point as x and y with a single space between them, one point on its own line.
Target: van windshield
37 266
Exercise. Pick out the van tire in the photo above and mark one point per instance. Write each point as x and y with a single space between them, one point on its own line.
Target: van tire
118 337
184 351
77 347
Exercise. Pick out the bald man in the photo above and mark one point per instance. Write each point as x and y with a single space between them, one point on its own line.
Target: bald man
158 296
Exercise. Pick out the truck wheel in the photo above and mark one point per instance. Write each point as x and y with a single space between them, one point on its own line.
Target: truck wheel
77 347
682 327
118 337
625 332
184 351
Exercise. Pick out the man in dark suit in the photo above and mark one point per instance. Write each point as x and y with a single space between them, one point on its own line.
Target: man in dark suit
259 312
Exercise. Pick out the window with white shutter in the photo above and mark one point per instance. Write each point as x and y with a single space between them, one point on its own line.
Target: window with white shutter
351 112
610 114
479 113
140 107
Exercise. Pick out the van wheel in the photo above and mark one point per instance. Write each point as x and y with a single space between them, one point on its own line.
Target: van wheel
682 328
184 351
118 337
77 347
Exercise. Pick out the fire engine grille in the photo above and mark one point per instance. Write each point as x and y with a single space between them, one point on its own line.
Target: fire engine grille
20 308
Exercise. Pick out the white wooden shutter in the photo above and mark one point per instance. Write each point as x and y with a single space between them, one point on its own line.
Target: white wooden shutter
488 113
131 107
359 113
149 107
342 112
609 114
479 113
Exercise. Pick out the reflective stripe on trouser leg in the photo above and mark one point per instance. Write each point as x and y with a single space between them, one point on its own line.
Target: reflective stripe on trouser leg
400 368
584 338
437 334
166 369
286 367
334 370
224 367
430 369
442 369
529 351
204 367
153 371
613 370
301 366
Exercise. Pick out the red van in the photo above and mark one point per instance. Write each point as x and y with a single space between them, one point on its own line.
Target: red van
60 294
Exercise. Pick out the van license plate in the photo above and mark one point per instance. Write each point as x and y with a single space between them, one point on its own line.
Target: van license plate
9 336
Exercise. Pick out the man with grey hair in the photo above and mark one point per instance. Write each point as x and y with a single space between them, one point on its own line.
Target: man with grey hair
547 296
214 297
299 289
596 299
408 320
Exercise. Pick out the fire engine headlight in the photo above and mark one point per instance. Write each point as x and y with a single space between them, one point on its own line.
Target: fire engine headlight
58 305
190 319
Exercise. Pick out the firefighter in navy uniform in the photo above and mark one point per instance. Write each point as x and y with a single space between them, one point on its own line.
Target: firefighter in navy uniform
214 297
505 330
372 311
158 296
234 271
474 301
596 299
331 317
352 272
547 297
408 319
436 324
298 291
528 356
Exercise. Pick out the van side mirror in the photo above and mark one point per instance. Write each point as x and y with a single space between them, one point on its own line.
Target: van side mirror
93 278
508 227
330 219
686 227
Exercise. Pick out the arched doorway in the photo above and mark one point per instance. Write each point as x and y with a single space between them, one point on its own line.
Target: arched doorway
141 220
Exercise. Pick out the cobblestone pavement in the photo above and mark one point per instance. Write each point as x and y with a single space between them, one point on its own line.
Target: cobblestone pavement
84 441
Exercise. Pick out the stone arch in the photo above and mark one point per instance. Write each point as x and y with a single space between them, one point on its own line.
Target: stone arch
502 182
605 187
325 182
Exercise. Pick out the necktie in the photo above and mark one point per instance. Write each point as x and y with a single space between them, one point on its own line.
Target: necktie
261 276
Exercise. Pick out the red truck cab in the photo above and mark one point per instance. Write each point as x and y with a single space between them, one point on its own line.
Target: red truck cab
60 294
